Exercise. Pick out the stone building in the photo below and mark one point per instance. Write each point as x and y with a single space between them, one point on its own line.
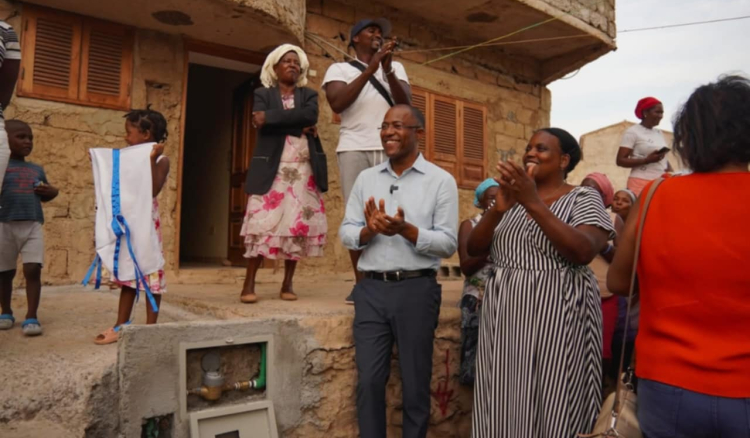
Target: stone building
87 62
600 154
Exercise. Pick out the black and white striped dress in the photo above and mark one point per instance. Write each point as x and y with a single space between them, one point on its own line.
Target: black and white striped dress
539 354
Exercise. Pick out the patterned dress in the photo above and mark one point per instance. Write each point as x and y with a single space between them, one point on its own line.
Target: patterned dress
539 355
288 222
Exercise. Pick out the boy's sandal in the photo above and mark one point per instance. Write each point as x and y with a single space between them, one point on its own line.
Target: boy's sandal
109 336
6 321
31 327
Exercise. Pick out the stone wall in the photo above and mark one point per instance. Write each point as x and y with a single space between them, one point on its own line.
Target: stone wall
311 381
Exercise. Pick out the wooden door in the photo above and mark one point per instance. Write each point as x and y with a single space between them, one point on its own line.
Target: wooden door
243 144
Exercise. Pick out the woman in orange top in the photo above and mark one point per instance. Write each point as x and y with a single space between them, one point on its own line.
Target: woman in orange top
693 345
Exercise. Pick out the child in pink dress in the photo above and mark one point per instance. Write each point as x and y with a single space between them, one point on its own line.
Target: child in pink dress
143 126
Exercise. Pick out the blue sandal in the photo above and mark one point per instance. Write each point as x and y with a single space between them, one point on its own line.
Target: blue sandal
6 321
31 327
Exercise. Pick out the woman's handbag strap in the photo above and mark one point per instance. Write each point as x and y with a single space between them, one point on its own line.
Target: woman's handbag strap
639 235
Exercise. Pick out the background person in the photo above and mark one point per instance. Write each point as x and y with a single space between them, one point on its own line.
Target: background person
476 270
362 91
540 335
599 265
693 350
643 149
285 217
21 221
622 202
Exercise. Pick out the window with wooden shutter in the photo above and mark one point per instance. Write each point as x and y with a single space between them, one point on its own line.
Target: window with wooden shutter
473 144
419 101
456 137
75 59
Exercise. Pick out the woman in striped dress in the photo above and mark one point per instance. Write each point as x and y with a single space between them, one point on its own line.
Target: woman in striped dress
539 354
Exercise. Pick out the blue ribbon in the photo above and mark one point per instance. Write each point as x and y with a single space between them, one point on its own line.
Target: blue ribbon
97 264
120 228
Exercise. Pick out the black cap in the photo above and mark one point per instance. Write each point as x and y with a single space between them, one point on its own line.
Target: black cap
382 23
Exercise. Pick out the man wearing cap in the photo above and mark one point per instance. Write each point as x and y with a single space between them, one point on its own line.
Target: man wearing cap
361 92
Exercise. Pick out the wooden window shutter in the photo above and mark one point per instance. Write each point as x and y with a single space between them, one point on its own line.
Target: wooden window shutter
50 54
473 145
106 70
419 101
444 127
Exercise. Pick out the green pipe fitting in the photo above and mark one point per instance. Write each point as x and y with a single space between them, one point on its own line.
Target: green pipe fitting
260 381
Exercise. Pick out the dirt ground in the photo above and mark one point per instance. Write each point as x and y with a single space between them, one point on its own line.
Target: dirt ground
47 380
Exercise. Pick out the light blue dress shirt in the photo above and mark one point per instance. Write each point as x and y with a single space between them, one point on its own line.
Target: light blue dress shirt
429 198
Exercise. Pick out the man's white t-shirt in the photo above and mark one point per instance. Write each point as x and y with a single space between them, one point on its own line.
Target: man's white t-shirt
643 141
360 122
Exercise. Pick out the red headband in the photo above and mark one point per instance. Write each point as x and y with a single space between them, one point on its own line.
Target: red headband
644 104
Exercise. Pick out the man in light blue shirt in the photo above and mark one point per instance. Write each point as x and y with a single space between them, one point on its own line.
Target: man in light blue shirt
403 215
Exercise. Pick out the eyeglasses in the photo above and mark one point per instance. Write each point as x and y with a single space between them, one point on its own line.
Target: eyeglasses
397 126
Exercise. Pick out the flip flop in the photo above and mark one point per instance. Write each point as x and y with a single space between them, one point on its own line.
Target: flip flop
6 321
31 327
288 296
110 336
249 298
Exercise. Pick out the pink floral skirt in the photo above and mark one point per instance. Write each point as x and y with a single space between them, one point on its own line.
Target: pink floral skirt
288 222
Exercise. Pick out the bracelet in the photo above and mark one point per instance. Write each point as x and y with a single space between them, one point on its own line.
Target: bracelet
607 249
490 206
391 72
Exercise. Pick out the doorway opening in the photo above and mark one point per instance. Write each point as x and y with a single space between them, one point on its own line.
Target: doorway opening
218 143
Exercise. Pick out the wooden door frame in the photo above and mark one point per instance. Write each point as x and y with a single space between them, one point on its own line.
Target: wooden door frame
213 49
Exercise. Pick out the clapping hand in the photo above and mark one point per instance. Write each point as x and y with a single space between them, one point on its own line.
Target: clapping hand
378 222
383 56
519 183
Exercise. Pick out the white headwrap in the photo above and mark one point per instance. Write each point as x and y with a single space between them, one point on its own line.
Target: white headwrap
268 75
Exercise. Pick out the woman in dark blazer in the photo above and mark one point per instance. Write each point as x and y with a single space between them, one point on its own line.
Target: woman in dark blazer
285 217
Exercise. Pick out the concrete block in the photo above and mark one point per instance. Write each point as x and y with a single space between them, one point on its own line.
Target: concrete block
512 129
315 6
526 116
56 262
599 21
338 11
149 361
323 26
546 100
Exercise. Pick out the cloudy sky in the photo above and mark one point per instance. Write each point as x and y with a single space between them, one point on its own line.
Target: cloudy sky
666 63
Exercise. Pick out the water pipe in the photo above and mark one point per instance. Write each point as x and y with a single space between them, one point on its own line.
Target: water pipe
213 382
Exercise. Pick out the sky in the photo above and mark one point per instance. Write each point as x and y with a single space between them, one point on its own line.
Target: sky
666 63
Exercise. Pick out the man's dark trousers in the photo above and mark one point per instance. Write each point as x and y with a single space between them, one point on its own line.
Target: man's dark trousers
405 312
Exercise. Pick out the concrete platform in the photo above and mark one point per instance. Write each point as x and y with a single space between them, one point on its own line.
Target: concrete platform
60 384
